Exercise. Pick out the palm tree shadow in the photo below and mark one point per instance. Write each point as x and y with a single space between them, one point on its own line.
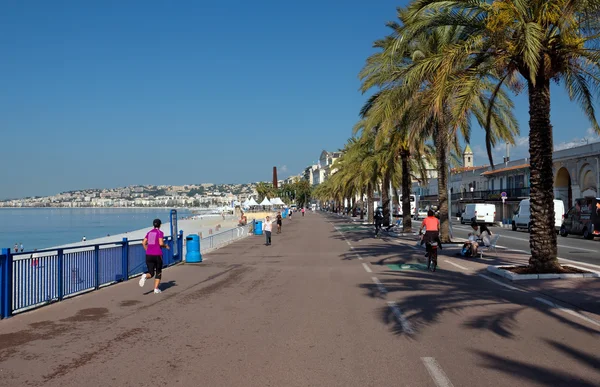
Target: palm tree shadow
535 373
581 357
426 296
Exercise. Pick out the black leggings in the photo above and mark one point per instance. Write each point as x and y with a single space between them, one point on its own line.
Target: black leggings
155 264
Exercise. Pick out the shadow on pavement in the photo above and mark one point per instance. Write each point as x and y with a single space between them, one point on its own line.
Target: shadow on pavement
426 296
584 358
541 375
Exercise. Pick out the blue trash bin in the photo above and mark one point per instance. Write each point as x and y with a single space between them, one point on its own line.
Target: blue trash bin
284 214
258 228
192 253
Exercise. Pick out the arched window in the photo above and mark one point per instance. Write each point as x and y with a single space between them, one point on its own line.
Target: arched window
469 159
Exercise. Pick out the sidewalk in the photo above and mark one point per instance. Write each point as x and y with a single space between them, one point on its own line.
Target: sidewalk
324 305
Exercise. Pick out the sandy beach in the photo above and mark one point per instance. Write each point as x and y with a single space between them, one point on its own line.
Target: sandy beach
203 224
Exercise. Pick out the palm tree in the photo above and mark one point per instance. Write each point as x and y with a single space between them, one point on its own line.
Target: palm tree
440 111
514 44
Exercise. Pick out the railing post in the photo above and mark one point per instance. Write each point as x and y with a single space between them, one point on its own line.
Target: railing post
180 245
125 258
7 288
61 289
97 265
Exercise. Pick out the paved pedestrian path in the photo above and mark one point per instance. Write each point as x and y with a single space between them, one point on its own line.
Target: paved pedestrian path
319 307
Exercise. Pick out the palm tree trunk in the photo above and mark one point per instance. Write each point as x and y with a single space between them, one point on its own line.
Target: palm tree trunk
441 151
385 198
370 218
361 203
542 239
406 188
395 202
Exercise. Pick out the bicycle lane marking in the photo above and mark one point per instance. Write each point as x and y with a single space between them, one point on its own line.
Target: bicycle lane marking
347 241
457 265
404 323
436 372
396 311
380 286
567 310
367 268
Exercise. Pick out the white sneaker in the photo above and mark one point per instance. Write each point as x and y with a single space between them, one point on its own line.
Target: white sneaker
142 280
156 291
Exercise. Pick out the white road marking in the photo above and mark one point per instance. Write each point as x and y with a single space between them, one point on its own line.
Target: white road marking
367 268
359 256
500 283
380 286
567 310
579 263
348 242
436 372
563 246
406 327
454 264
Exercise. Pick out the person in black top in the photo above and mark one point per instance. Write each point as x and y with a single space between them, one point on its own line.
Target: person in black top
279 222
378 219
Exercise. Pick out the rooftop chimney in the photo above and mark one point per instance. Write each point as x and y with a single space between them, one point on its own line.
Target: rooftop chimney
275 177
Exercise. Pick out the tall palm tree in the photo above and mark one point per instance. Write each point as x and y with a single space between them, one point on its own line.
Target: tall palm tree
518 43
440 111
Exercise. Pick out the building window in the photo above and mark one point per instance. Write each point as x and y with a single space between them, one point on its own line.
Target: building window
469 158
492 184
500 184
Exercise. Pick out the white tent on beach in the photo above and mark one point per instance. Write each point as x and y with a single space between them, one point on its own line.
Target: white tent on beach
266 202
277 202
252 202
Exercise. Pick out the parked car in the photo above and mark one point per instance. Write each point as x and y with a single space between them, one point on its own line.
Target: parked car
521 218
582 219
478 212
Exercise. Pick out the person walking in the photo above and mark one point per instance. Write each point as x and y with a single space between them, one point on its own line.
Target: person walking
302 211
267 227
16 247
279 222
153 244
21 246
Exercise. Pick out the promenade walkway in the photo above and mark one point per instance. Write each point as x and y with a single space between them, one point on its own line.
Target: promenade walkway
319 307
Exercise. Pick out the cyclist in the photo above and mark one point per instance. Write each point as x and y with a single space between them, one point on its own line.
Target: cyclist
432 231
378 218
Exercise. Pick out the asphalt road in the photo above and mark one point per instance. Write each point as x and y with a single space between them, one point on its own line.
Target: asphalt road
320 307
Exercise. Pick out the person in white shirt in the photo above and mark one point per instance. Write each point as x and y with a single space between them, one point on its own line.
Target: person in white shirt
267 229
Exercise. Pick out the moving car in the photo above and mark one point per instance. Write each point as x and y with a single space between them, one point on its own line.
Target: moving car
523 213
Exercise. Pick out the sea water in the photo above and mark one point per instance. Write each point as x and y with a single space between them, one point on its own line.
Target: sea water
39 228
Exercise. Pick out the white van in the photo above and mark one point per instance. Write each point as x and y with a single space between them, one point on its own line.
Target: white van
478 212
521 217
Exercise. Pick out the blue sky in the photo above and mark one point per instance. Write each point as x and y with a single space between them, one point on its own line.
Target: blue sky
112 93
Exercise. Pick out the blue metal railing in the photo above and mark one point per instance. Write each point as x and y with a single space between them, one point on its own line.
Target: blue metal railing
33 279
223 238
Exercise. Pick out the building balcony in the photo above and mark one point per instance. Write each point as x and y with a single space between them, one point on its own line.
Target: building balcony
511 194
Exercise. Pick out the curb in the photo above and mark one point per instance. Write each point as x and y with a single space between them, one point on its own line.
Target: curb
499 271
